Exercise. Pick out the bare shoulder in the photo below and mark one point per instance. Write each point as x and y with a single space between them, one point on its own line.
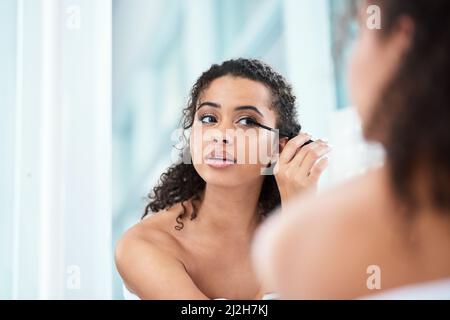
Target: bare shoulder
354 204
327 242
149 260
155 230
151 236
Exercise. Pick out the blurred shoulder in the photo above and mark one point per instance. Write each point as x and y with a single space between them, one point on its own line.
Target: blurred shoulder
327 241
354 203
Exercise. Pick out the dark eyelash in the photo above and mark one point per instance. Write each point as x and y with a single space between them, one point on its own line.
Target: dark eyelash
252 120
206 115
203 116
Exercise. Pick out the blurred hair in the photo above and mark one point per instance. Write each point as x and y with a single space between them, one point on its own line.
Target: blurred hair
412 117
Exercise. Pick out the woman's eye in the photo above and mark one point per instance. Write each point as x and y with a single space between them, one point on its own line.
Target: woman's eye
208 119
247 121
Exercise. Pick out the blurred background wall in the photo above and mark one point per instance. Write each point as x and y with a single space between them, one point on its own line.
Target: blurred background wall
55 149
91 92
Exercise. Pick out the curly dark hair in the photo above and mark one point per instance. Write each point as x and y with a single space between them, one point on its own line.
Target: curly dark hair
411 118
181 182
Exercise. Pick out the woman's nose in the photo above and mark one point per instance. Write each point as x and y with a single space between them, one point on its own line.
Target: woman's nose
223 136
224 139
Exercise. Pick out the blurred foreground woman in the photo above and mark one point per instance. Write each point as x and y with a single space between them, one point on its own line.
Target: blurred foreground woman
391 227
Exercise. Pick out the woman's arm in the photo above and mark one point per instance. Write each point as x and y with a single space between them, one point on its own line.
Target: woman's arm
153 274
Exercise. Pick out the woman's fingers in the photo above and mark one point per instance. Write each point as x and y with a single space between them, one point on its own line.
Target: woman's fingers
308 150
313 154
300 166
318 169
292 147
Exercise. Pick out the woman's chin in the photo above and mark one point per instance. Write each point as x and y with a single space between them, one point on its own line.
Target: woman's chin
221 177
228 175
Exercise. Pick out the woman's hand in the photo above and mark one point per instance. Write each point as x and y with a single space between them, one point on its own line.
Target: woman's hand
299 168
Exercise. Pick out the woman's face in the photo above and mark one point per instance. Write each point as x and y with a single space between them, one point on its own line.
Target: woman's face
227 150
376 58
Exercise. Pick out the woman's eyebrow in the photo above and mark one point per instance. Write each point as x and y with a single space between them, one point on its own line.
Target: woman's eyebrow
218 106
249 108
209 104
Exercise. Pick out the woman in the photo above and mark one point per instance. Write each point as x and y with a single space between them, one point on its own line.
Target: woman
197 245
391 227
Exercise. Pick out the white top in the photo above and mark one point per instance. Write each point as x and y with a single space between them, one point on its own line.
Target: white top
435 290
131 296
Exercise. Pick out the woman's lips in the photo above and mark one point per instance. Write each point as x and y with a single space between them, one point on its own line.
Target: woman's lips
219 162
